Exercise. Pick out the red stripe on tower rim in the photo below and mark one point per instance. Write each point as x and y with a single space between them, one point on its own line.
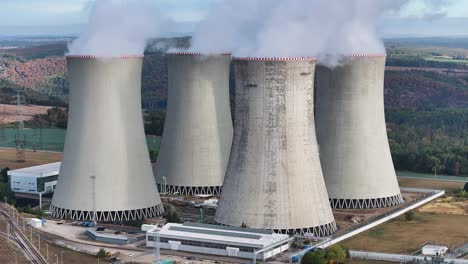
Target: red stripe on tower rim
197 53
362 55
275 58
104 57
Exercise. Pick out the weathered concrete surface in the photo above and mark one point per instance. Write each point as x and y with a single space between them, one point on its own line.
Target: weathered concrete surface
105 139
351 132
274 179
198 129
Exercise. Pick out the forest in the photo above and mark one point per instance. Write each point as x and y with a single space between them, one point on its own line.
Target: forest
433 141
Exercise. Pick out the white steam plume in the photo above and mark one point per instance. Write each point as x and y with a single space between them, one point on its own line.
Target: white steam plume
292 28
118 28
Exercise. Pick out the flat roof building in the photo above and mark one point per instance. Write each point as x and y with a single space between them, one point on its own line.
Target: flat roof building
36 179
434 250
219 240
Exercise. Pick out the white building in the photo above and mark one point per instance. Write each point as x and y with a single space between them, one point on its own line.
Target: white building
219 240
433 250
37 179
35 222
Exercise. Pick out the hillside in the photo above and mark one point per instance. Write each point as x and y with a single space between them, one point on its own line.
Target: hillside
425 90
34 74
40 70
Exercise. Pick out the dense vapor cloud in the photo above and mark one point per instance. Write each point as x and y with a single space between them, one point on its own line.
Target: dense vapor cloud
278 28
119 28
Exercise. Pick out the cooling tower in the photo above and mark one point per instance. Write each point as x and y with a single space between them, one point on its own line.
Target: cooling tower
274 179
106 167
352 136
198 129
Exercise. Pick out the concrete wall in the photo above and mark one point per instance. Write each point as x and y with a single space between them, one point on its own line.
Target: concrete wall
105 139
24 184
198 129
351 132
274 179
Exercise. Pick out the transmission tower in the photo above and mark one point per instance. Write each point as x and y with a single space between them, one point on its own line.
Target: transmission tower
20 155
20 143
2 125
19 111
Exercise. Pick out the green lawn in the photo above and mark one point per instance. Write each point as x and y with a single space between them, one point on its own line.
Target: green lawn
431 176
447 60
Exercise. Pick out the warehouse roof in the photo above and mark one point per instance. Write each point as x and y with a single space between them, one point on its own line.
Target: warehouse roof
38 171
214 233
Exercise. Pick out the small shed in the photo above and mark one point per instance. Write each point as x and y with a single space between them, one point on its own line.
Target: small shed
434 250
35 222
145 227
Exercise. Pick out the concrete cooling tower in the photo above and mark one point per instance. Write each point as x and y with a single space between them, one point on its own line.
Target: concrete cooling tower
106 167
274 179
352 136
198 130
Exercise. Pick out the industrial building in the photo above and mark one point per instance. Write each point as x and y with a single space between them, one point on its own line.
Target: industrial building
197 133
218 240
352 135
106 172
37 179
274 178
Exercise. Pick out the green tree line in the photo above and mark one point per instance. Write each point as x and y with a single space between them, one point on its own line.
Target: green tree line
434 141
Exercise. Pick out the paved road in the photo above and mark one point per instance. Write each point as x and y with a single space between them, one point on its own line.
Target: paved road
405 174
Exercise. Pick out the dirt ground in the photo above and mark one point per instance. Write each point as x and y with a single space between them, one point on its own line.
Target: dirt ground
447 205
8 158
401 236
9 252
69 256
430 184
344 217
8 112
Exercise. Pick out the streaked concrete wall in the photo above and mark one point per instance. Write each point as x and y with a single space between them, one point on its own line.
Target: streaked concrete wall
274 179
105 138
351 130
198 130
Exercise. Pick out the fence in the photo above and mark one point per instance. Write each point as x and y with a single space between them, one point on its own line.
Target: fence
403 258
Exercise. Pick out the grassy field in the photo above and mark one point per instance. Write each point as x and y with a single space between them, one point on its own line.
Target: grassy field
431 176
401 236
423 50
447 60
8 158
449 186
50 139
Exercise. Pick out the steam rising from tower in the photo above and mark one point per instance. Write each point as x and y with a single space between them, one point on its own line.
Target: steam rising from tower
274 179
294 28
106 167
117 27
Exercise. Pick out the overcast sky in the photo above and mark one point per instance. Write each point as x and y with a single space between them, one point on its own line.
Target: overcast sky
24 17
